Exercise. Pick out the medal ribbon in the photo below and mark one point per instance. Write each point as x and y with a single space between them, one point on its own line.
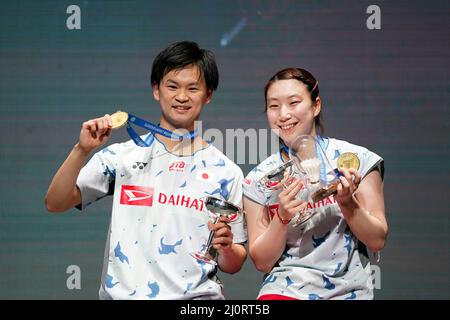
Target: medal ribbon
322 145
132 119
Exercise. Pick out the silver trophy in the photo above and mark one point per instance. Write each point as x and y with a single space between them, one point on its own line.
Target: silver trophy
320 178
216 208
282 177
309 162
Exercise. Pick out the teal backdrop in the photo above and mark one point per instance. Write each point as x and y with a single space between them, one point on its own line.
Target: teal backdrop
386 89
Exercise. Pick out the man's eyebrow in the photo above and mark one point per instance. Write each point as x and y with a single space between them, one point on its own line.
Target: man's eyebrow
195 83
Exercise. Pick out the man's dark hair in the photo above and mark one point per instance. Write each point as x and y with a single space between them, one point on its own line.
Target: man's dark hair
181 54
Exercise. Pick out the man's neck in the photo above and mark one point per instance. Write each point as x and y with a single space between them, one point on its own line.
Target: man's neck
183 147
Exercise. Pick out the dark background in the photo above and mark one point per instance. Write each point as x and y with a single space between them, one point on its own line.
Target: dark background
385 89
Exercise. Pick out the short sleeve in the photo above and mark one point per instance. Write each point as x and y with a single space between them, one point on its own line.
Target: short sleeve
370 161
235 196
96 178
251 189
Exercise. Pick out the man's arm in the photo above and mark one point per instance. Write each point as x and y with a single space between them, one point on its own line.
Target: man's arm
63 193
231 255
231 260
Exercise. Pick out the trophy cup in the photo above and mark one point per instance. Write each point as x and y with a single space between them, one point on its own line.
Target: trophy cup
283 175
280 175
309 162
217 208
320 179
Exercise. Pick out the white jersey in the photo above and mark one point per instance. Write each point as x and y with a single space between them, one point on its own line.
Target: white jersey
321 259
159 218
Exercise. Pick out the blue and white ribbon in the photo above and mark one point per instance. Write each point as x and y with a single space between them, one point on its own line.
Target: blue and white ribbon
154 128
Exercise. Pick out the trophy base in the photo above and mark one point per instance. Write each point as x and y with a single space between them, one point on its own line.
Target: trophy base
303 218
324 193
203 257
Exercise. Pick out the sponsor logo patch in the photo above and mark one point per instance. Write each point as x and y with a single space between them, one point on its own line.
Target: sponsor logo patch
136 195
177 166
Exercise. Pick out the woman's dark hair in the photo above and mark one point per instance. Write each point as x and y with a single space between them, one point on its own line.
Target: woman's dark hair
181 54
304 76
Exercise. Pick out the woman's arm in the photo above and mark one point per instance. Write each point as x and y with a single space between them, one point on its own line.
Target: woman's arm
267 239
363 209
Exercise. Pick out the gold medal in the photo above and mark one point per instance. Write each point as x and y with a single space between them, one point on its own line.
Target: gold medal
348 160
119 118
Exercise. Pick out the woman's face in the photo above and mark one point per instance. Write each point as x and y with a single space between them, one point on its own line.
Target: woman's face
290 110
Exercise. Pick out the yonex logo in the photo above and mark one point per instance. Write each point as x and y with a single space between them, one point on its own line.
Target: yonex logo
140 165
136 195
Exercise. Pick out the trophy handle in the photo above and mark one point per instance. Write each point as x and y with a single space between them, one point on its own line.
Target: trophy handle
325 192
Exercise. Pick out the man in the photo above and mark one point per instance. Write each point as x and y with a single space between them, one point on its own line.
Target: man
159 217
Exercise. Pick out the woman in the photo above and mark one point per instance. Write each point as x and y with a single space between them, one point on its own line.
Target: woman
326 257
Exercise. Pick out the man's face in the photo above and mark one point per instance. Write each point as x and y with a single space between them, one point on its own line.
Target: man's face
181 94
